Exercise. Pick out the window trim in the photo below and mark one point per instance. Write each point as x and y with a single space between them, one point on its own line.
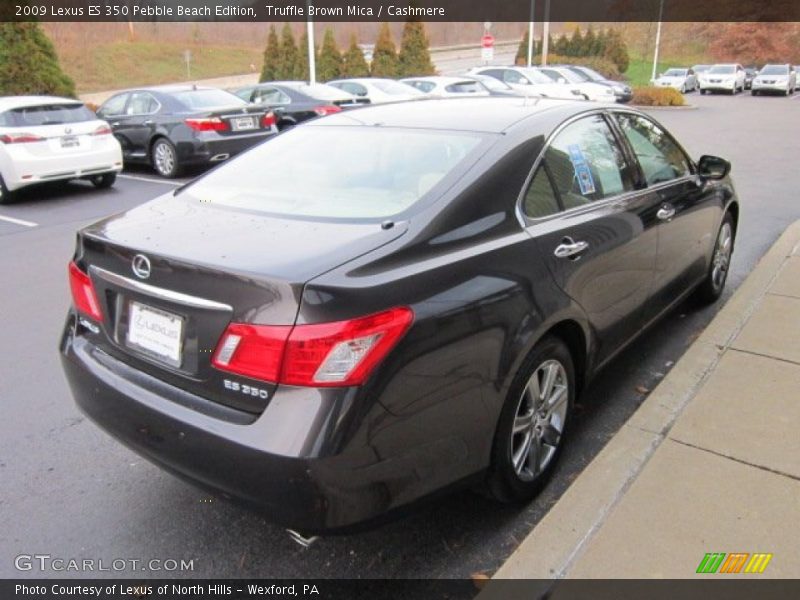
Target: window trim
528 221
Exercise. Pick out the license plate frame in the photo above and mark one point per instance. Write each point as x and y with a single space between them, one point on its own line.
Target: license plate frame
244 123
156 333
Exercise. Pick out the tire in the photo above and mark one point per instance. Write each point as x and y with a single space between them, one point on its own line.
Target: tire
164 158
6 196
714 283
104 181
702 92
754 92
539 428
683 89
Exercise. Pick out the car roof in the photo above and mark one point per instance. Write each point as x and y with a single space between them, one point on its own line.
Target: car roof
169 88
443 79
7 102
486 114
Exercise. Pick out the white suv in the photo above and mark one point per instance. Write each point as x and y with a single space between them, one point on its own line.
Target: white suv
775 78
723 78
44 138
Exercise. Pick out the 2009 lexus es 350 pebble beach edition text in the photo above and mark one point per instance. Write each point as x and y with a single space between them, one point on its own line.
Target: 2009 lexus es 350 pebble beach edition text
383 303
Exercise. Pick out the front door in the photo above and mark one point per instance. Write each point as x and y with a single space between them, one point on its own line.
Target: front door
598 235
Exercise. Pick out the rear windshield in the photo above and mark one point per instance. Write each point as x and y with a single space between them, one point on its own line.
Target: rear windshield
775 70
337 172
46 114
202 99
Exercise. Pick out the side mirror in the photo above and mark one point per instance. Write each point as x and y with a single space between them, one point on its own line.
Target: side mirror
562 80
713 167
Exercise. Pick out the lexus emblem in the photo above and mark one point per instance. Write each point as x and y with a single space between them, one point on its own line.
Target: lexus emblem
141 266
68 130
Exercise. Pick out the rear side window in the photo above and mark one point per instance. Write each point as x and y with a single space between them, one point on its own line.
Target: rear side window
271 96
142 103
423 86
586 163
47 114
660 158
464 87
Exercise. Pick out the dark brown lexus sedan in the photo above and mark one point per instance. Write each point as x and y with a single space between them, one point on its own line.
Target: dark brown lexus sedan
383 303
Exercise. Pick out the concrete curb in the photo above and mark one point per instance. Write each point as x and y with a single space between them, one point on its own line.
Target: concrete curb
668 108
559 539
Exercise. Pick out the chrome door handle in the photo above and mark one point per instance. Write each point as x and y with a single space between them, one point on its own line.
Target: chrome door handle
148 123
115 124
568 248
665 213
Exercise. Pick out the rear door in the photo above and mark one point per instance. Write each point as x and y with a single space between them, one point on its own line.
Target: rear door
596 233
139 123
686 212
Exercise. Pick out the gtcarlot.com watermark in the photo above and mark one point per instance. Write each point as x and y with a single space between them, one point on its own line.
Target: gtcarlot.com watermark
57 564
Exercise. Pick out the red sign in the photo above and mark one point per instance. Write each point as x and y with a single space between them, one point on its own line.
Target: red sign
487 41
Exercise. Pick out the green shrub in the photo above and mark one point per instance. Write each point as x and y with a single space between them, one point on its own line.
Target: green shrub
384 56
657 96
272 52
353 62
414 58
329 65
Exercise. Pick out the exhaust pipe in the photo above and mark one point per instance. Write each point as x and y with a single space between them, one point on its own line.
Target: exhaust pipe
219 157
305 542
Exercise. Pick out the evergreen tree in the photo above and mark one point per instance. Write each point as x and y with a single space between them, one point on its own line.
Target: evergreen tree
330 58
29 64
269 70
287 66
384 57
353 62
414 57
616 51
575 45
301 66
590 47
561 47
522 50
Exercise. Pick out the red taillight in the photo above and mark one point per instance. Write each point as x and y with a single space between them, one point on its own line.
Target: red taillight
19 138
83 294
207 124
102 130
328 109
268 120
341 353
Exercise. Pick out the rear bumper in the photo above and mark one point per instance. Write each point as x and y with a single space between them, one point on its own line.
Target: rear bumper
24 168
312 465
212 147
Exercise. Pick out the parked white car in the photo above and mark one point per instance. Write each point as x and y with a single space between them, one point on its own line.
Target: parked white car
447 87
377 90
723 78
588 89
781 79
530 81
45 138
683 80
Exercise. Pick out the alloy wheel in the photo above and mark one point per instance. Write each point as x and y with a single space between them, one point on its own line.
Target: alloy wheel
722 256
164 158
539 420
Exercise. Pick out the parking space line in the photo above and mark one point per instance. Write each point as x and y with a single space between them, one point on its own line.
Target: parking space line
18 221
152 180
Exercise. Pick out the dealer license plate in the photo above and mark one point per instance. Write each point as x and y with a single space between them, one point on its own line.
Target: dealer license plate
156 332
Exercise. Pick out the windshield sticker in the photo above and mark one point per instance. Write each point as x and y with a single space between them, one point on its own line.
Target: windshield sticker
582 171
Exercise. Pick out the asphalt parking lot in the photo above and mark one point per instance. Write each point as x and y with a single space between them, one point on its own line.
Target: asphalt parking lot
70 491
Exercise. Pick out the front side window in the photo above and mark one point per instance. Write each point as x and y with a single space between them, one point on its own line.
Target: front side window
142 103
115 105
586 163
659 157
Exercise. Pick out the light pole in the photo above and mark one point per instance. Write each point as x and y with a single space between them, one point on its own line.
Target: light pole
530 33
312 60
658 39
546 32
